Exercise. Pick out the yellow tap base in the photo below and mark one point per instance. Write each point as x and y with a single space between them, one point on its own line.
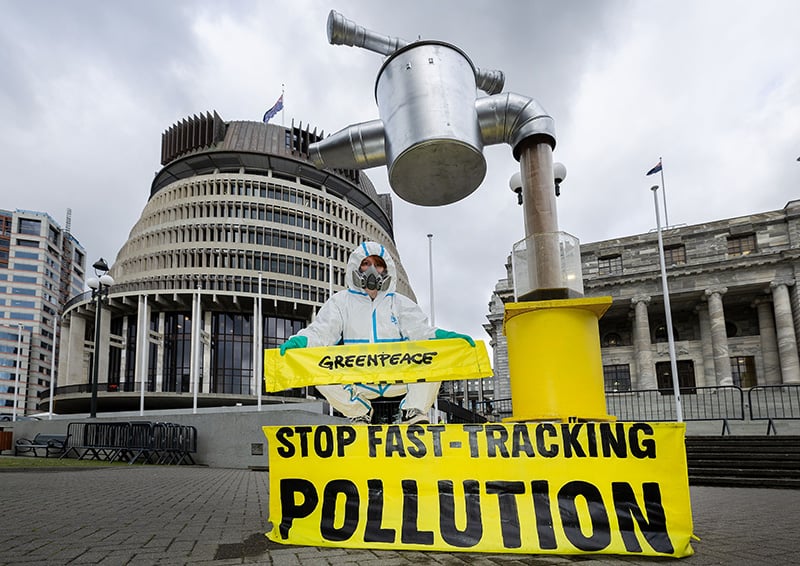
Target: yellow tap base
554 360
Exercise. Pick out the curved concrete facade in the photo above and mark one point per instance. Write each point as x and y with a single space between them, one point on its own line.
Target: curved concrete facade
235 203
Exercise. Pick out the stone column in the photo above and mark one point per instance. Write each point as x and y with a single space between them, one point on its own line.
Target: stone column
708 350
787 339
160 353
769 344
646 378
206 345
77 373
123 357
719 336
142 345
63 348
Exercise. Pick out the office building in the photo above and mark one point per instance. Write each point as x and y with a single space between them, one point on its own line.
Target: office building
41 266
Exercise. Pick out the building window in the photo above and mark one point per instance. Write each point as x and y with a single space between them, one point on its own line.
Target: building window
231 353
31 227
617 377
743 369
611 340
661 333
609 265
177 350
21 316
741 245
675 255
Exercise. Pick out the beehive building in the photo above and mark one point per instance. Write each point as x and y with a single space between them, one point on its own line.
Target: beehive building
237 219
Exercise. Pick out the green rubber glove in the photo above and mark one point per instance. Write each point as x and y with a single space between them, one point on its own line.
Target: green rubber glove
442 334
294 342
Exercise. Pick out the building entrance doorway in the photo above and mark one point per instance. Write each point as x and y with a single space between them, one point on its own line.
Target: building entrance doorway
685 377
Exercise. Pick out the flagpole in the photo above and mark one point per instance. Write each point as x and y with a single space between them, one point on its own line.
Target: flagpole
284 104
664 190
676 388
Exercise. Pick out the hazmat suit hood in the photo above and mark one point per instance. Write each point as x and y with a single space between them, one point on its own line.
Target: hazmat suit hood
357 256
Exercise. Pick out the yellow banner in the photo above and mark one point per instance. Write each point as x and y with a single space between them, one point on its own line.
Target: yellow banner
384 362
572 488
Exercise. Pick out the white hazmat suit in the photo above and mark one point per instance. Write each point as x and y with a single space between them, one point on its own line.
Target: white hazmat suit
350 316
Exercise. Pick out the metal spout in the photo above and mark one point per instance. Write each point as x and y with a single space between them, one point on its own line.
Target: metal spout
342 31
359 146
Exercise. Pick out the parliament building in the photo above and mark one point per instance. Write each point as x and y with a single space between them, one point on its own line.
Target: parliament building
733 295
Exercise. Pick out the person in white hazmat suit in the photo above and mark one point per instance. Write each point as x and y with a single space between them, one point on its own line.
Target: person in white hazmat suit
370 310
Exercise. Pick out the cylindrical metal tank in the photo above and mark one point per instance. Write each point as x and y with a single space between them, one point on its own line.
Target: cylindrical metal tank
426 95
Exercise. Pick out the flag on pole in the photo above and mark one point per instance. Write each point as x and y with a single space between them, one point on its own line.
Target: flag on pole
652 171
277 107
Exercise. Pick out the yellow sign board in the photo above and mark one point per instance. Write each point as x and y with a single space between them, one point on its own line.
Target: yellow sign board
382 362
557 488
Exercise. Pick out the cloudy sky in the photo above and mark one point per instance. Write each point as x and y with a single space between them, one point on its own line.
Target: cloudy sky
712 86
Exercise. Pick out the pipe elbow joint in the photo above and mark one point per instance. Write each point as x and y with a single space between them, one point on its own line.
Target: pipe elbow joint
512 118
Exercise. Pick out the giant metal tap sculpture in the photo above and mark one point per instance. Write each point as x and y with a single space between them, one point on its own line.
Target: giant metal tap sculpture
432 130
431 135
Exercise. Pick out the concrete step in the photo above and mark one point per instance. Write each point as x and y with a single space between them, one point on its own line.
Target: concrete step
744 461
736 471
731 481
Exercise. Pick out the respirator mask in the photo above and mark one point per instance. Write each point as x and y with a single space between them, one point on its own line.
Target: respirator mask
371 279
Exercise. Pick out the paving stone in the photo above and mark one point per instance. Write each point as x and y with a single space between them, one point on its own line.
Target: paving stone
195 515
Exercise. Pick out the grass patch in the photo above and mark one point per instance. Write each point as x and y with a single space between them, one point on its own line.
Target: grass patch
35 462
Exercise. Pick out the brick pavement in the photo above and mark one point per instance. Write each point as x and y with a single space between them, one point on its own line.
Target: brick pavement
196 515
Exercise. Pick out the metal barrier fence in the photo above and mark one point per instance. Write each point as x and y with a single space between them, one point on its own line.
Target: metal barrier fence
774 402
722 403
152 443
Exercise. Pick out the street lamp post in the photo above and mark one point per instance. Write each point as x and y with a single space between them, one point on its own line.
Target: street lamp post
99 286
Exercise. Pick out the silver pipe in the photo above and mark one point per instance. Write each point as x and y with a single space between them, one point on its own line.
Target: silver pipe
359 146
511 118
489 81
502 118
342 31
